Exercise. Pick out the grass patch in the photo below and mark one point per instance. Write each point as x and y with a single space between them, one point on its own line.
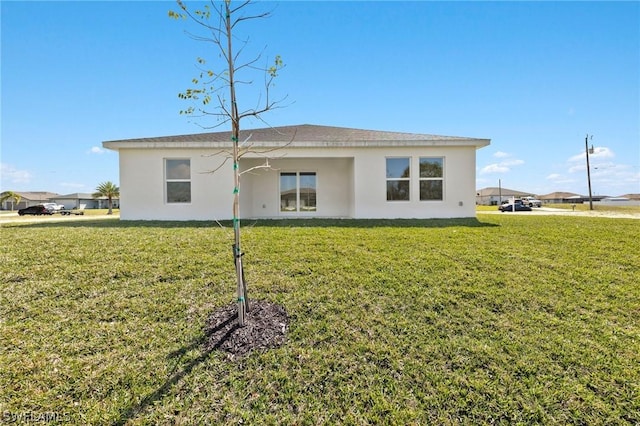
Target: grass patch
597 207
505 319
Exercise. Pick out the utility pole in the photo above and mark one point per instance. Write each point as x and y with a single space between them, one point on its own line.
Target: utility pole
587 151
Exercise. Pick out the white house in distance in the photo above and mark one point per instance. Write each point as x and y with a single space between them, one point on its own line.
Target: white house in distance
315 171
494 196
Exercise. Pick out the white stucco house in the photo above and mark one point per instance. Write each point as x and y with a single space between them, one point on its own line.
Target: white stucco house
314 171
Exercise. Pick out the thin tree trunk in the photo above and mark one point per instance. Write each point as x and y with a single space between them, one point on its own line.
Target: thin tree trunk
235 134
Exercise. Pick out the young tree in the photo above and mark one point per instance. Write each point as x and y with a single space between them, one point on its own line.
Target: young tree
8 195
109 190
218 20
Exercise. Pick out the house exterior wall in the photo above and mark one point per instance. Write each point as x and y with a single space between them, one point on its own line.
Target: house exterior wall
492 200
12 205
459 183
142 186
351 182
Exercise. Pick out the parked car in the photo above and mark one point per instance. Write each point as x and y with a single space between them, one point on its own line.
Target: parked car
519 207
35 210
54 206
532 201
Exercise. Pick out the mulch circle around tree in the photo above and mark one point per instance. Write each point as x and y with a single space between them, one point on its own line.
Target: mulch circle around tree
265 327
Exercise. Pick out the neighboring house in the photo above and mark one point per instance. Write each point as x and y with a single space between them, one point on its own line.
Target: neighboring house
494 196
315 171
82 201
632 197
69 201
585 198
28 198
619 201
559 197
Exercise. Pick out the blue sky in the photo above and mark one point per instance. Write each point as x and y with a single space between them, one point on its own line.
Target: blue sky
534 77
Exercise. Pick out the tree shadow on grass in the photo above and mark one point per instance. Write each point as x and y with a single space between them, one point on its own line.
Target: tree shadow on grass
177 374
264 328
470 222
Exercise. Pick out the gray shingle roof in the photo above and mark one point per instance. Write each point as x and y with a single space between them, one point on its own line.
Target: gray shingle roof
42 196
558 195
302 135
76 195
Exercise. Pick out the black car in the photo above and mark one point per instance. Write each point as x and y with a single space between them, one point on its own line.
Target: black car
519 207
35 210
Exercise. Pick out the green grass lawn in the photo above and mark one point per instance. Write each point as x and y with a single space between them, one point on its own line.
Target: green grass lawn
597 207
505 319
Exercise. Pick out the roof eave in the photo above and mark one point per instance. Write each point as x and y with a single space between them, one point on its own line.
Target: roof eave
141 144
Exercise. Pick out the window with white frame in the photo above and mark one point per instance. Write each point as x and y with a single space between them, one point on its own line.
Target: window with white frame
398 178
298 192
177 172
431 178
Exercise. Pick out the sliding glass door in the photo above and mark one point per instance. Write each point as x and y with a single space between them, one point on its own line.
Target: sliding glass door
298 192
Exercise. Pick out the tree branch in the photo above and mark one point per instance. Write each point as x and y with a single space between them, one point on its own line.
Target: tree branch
219 167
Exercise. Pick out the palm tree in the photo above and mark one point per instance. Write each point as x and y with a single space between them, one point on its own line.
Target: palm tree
7 195
109 190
